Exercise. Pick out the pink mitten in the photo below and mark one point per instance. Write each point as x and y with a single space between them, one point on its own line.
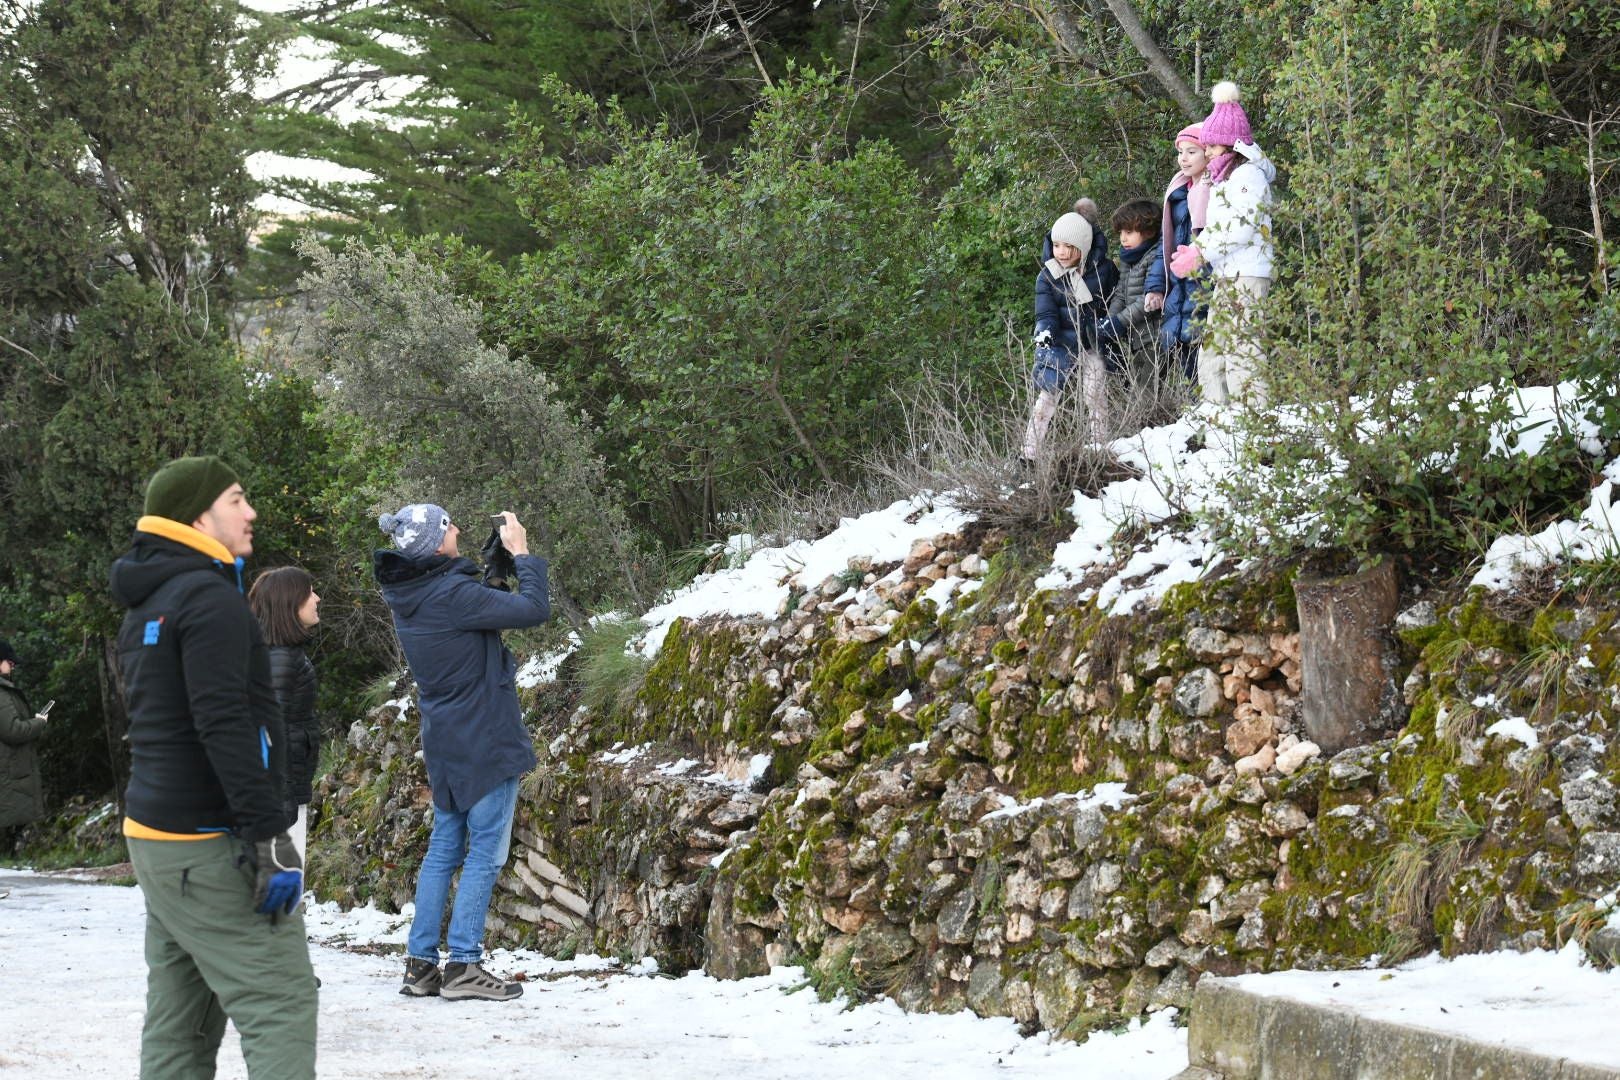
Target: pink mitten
1186 259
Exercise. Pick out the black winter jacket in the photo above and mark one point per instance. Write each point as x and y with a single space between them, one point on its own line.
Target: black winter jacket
205 734
294 679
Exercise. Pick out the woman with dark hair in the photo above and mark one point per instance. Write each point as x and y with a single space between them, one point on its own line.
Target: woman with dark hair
286 604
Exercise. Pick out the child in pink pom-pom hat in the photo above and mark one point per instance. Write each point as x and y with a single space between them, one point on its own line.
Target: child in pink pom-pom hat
1236 246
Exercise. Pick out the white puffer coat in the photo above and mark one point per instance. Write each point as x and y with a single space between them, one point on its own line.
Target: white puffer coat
1236 241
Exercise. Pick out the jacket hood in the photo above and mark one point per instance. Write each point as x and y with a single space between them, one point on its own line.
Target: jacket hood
405 581
153 560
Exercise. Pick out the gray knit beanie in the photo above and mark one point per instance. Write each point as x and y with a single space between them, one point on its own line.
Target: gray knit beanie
417 530
1074 230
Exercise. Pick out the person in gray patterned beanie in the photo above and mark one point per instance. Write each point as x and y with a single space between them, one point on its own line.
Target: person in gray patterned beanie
417 530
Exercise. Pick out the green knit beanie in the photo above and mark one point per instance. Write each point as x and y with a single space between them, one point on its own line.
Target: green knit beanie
185 487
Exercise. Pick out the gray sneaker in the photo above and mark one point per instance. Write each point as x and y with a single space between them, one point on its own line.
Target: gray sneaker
422 978
472 981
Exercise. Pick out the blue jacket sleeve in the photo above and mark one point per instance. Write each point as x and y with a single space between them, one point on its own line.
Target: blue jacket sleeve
473 606
1048 305
1154 282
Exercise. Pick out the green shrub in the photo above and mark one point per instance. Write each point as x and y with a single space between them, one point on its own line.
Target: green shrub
1412 269
608 676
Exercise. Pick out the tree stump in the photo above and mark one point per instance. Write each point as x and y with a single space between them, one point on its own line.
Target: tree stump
1347 656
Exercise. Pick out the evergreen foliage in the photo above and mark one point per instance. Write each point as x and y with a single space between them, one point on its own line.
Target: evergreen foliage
447 80
460 422
123 216
729 331
726 245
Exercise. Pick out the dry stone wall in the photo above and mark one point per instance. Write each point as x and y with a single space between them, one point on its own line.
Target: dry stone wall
1017 804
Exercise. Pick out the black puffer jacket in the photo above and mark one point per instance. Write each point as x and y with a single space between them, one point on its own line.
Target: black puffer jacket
205 738
294 679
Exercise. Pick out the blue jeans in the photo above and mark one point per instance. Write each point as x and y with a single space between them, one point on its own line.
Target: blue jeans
476 841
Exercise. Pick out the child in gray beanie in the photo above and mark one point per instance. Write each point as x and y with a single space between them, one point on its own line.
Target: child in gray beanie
417 530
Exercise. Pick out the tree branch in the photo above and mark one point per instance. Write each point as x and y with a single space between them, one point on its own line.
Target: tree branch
1158 63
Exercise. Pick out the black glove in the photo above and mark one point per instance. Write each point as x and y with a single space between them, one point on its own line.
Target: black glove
278 875
1107 330
499 566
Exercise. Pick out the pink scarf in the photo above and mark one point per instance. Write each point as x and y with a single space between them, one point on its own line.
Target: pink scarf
1197 211
1221 167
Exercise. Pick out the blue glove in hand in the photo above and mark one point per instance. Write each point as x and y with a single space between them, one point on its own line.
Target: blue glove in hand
278 875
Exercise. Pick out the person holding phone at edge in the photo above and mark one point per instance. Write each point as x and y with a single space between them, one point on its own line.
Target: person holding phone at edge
205 822
22 797
474 742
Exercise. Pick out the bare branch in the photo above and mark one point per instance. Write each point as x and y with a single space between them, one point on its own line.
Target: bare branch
44 367
1158 63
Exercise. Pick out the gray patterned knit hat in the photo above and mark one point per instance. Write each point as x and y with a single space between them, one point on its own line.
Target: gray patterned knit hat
417 530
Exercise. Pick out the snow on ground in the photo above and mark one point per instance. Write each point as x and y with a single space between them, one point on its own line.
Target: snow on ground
1547 1002
1593 535
543 669
760 587
71 951
1181 467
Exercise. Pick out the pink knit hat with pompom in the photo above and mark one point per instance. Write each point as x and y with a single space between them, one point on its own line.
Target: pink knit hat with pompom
1227 124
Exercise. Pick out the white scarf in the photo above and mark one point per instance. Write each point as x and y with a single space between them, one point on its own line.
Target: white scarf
1079 295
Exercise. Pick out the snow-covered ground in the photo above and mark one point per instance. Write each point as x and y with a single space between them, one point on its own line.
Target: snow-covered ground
73 981
69 950
1181 466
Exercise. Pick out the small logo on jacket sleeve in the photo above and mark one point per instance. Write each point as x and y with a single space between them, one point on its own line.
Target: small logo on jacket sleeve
153 629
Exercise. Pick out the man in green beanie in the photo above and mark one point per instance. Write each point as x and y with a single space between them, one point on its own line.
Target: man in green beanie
205 822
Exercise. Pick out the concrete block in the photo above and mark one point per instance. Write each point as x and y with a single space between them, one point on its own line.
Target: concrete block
1396 1050
1236 1035
1224 1033
1303 1042
1471 1059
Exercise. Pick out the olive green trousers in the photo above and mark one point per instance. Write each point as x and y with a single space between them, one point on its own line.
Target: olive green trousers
210 957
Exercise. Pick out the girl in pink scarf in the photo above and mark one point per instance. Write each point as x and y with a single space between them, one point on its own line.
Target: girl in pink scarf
1236 246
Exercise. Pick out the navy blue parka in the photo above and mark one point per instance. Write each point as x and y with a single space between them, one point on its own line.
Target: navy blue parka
1075 326
449 624
1184 298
